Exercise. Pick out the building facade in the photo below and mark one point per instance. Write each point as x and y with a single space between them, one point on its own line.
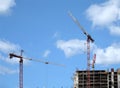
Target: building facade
98 79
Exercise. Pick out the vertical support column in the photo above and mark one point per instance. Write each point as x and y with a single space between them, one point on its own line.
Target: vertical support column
76 80
112 78
83 79
107 78
118 77
93 78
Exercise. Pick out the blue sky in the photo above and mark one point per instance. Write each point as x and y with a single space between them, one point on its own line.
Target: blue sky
45 31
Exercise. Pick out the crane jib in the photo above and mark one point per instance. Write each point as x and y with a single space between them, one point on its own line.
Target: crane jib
79 25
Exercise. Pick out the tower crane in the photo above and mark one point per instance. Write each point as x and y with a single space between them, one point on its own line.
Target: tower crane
89 39
21 65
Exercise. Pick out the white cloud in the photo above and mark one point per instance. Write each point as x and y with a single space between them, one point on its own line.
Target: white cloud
105 15
72 47
114 30
105 56
5 70
6 5
109 55
5 48
46 53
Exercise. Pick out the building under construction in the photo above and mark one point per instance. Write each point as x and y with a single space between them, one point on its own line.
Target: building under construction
98 79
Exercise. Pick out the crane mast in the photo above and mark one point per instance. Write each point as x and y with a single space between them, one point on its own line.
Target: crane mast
89 39
21 70
88 62
20 67
21 73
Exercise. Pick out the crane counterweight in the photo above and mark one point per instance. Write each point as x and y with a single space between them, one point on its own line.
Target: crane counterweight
14 55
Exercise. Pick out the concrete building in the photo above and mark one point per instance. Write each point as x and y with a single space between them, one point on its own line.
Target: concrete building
98 79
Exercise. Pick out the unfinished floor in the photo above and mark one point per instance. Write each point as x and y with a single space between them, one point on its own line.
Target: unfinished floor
98 79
